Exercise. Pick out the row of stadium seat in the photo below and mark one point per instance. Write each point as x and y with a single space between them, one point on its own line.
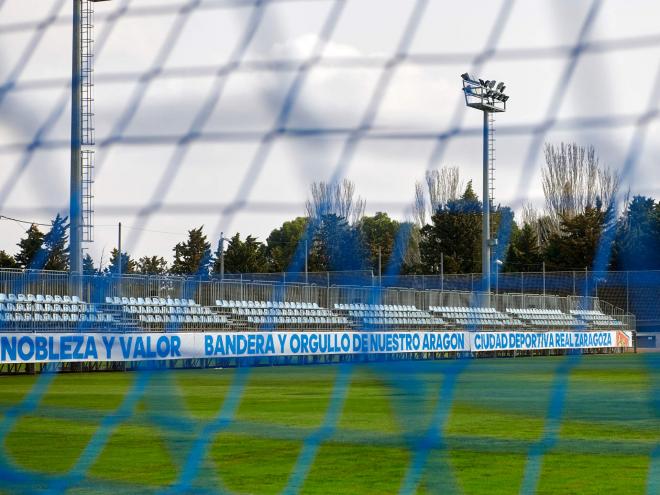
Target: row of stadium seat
546 317
373 307
167 310
38 298
50 311
277 313
462 309
486 322
387 315
29 308
184 319
149 301
596 318
333 321
404 322
222 303
158 312
475 316
280 312
57 317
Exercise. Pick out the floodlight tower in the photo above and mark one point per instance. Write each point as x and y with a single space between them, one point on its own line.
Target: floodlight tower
490 99
82 131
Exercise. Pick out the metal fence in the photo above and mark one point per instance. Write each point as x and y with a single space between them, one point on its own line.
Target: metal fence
636 292
207 291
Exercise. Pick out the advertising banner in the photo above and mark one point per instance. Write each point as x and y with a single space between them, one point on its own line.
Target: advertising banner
90 347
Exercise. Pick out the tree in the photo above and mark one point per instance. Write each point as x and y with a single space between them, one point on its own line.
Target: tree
55 245
127 263
524 252
152 265
379 233
540 223
637 244
192 257
247 256
440 187
574 180
455 233
88 265
410 251
336 245
283 243
7 260
575 245
29 248
337 199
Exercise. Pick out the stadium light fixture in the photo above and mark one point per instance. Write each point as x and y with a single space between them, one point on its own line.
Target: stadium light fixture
488 97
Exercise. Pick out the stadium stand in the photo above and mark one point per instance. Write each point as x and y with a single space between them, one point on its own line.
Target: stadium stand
154 313
387 315
69 313
482 318
596 319
546 318
51 312
278 314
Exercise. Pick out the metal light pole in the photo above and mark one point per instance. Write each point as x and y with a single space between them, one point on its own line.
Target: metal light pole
82 131
119 268
489 99
380 267
75 205
442 272
485 217
306 263
222 255
543 264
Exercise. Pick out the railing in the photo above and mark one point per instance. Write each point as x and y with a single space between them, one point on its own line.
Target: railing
95 288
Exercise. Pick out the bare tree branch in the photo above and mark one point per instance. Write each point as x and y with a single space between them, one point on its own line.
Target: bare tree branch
419 206
574 179
442 186
338 199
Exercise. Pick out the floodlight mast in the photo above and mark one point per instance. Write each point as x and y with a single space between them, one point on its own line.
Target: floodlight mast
76 221
75 206
485 96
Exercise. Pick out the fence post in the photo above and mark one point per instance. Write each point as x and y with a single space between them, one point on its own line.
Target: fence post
574 294
586 281
627 292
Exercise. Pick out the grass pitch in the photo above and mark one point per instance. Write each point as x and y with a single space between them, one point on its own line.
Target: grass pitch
426 427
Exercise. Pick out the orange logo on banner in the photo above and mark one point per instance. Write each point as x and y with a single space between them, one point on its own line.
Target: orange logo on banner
622 339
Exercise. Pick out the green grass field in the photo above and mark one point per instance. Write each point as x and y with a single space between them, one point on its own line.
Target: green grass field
490 419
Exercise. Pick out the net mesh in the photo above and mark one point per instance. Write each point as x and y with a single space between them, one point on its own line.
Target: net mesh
156 399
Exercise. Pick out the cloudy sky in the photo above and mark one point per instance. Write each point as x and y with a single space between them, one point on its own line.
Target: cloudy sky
222 112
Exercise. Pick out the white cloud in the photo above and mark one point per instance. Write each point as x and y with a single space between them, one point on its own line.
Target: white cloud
420 98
